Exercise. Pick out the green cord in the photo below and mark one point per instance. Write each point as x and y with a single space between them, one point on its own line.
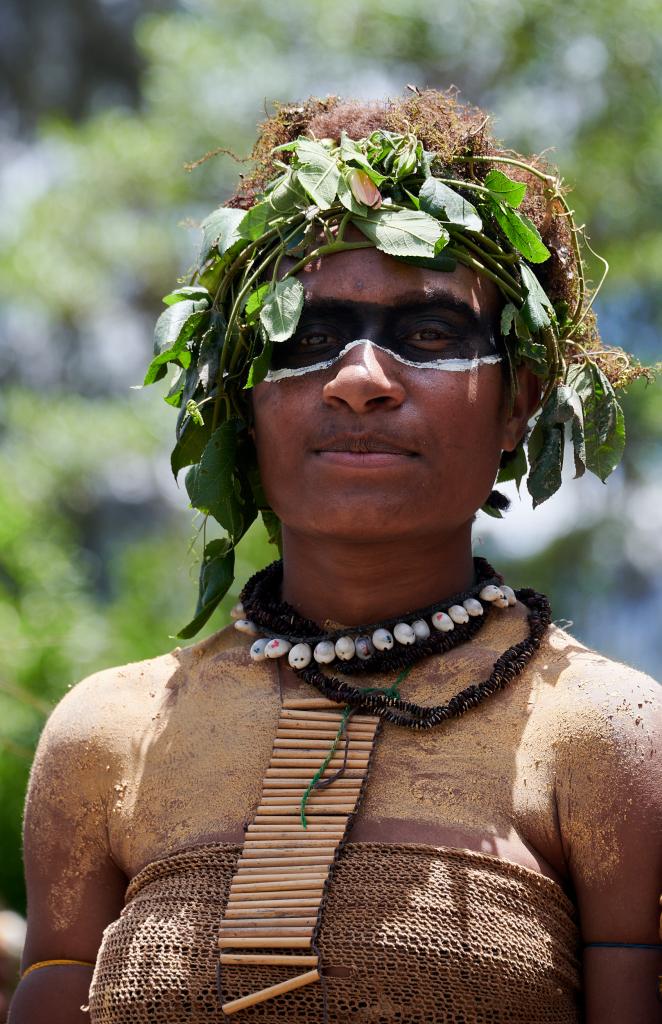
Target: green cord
388 691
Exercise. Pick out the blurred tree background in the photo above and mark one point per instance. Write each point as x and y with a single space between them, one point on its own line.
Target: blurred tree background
103 102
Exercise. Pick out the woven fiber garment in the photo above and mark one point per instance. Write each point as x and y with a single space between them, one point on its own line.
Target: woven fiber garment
412 934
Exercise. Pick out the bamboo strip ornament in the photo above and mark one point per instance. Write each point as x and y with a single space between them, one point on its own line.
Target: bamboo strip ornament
272 904
296 959
266 903
230 931
272 914
275 851
275 891
273 819
285 827
313 744
269 993
292 807
285 844
288 860
310 833
283 869
323 734
328 719
302 784
263 942
283 926
355 763
274 896
250 873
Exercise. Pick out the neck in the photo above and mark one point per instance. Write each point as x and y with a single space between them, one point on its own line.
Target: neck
351 584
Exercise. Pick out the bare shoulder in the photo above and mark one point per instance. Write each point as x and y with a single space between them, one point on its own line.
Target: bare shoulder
594 698
102 710
605 721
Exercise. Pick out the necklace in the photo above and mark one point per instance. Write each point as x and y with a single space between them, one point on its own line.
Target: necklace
454 622
277 894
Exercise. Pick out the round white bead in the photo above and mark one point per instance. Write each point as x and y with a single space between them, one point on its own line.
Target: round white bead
458 614
442 622
237 612
300 656
257 649
403 633
364 647
277 648
473 606
490 593
345 648
324 652
421 629
382 639
246 626
509 593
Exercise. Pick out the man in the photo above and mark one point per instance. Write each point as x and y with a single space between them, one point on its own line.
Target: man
373 324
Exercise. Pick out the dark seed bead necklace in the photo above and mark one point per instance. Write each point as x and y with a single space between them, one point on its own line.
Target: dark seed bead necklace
261 599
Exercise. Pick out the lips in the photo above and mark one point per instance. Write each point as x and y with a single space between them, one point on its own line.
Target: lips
364 444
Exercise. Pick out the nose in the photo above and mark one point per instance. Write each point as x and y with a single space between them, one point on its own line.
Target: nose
365 381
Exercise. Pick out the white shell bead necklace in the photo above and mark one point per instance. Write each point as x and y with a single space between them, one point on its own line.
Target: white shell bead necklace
345 647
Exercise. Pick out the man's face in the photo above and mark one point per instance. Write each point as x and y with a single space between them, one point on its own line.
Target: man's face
373 448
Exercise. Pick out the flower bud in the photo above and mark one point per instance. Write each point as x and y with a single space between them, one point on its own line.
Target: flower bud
363 189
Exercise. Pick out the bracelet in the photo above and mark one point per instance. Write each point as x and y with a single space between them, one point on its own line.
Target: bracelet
625 945
55 963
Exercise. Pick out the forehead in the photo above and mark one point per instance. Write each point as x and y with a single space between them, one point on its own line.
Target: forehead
370 276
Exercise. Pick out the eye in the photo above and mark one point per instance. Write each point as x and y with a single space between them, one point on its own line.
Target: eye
317 339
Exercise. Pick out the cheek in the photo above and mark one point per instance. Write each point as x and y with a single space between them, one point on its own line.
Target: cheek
279 411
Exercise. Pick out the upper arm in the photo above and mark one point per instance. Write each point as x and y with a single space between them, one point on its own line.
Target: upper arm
74 887
609 796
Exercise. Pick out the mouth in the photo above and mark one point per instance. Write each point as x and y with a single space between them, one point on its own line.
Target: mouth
364 451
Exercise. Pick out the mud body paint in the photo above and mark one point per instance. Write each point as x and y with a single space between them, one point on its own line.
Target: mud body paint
444 365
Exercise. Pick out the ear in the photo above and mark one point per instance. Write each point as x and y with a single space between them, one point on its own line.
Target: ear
523 404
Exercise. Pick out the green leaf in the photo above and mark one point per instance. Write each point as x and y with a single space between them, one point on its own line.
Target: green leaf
216 576
521 232
282 308
448 205
255 300
402 232
190 292
210 351
220 230
174 328
604 423
174 396
544 478
286 195
272 526
212 485
503 187
537 305
257 221
526 347
546 450
190 446
441 262
260 365
514 466
319 173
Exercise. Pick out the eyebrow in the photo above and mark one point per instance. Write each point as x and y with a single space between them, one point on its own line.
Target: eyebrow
408 304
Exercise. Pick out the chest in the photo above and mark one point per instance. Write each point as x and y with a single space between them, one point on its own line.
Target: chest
194 774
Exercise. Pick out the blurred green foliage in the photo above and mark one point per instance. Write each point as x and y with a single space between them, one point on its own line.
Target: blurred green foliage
99 220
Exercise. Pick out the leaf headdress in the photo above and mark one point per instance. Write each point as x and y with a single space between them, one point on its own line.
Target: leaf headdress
415 205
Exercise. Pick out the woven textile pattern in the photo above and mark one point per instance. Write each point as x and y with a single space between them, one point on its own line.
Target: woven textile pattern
422 935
